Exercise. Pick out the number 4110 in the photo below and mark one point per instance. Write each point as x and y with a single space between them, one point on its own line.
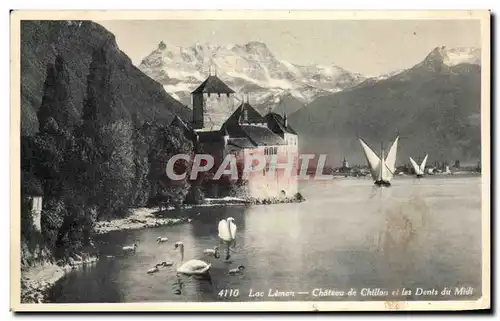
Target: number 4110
229 293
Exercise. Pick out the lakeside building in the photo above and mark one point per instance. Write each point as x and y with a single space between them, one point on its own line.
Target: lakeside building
31 198
224 124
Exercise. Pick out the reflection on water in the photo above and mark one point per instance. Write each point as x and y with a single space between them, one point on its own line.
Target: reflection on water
418 233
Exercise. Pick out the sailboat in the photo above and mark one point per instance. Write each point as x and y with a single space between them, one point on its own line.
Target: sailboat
419 170
381 168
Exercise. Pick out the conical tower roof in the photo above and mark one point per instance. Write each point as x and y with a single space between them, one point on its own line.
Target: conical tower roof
213 85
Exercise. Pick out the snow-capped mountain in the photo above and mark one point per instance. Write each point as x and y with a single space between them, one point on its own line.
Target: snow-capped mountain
248 69
435 105
437 59
449 57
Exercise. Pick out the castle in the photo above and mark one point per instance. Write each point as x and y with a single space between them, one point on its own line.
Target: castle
223 124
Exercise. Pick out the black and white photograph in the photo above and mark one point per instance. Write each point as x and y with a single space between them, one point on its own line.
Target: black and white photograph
288 161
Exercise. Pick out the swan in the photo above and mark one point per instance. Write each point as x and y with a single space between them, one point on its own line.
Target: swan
212 252
238 270
191 267
161 239
227 229
130 248
227 233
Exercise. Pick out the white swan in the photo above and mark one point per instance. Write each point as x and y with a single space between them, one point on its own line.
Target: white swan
227 229
191 267
161 239
130 248
238 270
212 252
227 234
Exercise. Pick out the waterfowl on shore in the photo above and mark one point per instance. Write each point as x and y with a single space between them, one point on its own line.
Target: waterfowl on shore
238 270
161 239
191 267
130 248
212 252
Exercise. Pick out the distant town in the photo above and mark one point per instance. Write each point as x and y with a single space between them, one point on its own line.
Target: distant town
436 168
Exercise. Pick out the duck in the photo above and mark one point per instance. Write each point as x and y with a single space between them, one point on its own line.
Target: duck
238 270
130 248
191 267
165 264
212 252
153 270
161 239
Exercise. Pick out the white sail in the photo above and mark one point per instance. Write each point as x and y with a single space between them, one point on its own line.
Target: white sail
390 161
419 170
386 173
416 168
422 166
372 159
381 169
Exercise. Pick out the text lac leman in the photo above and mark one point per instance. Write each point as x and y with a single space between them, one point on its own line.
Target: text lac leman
277 293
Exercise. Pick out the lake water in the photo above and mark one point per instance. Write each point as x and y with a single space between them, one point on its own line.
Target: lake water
348 235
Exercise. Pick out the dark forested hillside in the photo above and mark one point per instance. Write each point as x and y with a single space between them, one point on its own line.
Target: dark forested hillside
75 41
435 108
92 126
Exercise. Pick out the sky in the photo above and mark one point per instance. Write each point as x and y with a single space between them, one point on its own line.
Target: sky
369 47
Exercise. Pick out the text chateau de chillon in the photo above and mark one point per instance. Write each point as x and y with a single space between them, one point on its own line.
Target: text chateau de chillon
223 124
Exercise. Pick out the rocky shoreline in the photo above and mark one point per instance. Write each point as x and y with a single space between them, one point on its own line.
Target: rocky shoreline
140 218
37 280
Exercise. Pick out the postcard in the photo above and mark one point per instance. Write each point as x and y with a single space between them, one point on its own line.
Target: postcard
250 160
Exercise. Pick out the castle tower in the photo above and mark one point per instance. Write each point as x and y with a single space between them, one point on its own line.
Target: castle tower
213 103
345 163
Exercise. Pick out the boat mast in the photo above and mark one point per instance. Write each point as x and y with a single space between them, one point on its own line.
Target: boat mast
382 163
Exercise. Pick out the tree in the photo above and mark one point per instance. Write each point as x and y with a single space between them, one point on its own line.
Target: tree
54 110
169 142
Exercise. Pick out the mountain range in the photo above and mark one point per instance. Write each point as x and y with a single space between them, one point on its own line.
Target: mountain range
248 68
435 106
